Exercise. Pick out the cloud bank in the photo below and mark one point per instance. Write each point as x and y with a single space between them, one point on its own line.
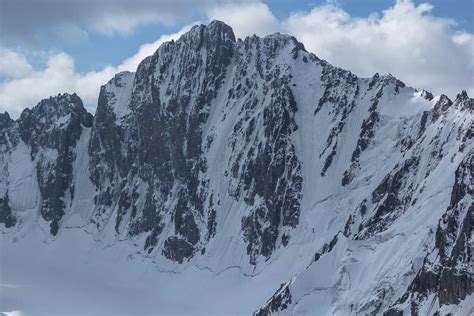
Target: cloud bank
405 40
26 20
24 86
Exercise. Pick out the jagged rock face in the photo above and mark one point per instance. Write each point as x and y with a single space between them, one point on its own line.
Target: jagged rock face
158 143
265 170
50 131
54 126
226 153
280 301
6 216
368 125
443 277
447 269
391 197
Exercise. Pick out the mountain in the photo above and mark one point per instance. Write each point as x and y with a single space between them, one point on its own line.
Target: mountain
336 194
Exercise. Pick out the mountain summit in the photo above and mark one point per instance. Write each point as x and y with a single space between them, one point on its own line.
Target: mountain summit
346 195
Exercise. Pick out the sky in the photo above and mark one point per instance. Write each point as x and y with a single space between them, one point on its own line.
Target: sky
55 46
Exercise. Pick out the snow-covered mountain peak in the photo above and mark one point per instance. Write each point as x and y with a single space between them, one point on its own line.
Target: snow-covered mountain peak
256 159
215 33
5 120
426 94
118 92
55 112
464 102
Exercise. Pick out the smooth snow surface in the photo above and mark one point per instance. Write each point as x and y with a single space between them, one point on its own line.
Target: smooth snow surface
73 275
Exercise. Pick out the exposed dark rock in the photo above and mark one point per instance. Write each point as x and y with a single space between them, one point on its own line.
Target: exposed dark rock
344 104
449 277
265 171
441 107
463 102
6 216
427 95
177 249
280 301
391 197
393 312
159 140
365 138
56 124
7 138
326 248
5 120
274 175
333 79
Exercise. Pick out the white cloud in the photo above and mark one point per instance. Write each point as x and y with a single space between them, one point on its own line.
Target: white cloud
148 49
30 22
26 85
13 64
57 76
246 19
405 40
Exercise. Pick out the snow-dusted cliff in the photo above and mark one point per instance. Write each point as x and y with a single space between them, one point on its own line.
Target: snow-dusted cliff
339 194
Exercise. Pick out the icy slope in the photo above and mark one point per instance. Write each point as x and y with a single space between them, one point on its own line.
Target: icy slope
221 154
407 243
